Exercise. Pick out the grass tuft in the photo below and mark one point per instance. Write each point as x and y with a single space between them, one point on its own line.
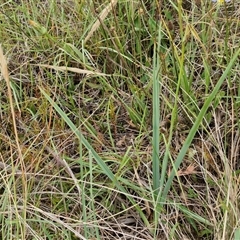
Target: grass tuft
120 119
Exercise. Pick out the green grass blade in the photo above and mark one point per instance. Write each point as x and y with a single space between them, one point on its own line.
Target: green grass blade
237 234
197 123
99 160
156 114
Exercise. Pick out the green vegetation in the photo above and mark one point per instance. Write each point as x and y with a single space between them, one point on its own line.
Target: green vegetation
120 119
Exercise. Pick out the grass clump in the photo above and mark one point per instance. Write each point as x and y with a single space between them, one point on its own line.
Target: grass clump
119 120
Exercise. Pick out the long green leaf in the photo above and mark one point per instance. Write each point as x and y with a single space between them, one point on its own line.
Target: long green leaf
237 234
99 160
196 125
156 114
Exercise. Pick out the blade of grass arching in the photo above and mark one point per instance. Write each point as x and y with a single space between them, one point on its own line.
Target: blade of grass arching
193 215
101 163
196 125
99 160
156 114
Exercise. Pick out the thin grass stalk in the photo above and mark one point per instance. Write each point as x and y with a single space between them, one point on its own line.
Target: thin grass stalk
91 205
20 161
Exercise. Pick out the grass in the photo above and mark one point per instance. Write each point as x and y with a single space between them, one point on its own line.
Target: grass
120 120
